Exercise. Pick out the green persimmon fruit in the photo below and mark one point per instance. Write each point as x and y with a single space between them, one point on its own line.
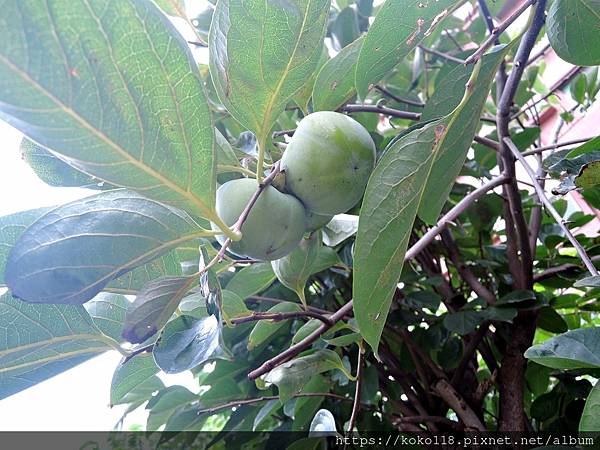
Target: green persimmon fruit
274 226
328 162
315 221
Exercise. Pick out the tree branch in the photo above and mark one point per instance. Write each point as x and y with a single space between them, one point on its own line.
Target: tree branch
278 317
442 55
539 150
381 110
286 355
458 404
399 99
556 270
551 209
497 31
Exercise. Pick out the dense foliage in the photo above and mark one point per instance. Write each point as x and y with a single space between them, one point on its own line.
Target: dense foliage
453 296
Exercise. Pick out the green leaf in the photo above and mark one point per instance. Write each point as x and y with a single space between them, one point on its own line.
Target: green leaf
334 85
265 412
575 349
114 90
233 306
75 250
588 282
108 313
164 405
264 330
396 190
187 342
340 228
451 157
550 320
40 341
344 29
398 28
142 392
463 322
11 229
590 418
172 7
448 93
589 176
130 376
294 270
251 280
515 297
573 30
54 171
154 306
293 375
261 54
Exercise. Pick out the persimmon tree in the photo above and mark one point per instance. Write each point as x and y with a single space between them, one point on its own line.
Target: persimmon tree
459 293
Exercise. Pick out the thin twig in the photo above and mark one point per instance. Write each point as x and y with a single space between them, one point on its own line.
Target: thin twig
356 404
535 151
458 404
259 298
490 143
551 209
399 99
286 355
556 270
487 17
497 31
381 110
442 55
265 398
278 317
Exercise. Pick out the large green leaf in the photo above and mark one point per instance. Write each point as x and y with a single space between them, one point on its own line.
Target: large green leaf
334 85
154 306
294 269
11 228
394 194
457 142
262 53
251 280
187 342
572 350
72 252
164 405
573 30
398 28
292 376
590 418
130 375
40 341
113 89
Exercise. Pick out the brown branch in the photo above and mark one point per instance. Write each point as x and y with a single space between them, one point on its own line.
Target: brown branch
551 209
497 31
260 298
251 401
469 352
487 17
458 404
381 110
399 99
490 143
